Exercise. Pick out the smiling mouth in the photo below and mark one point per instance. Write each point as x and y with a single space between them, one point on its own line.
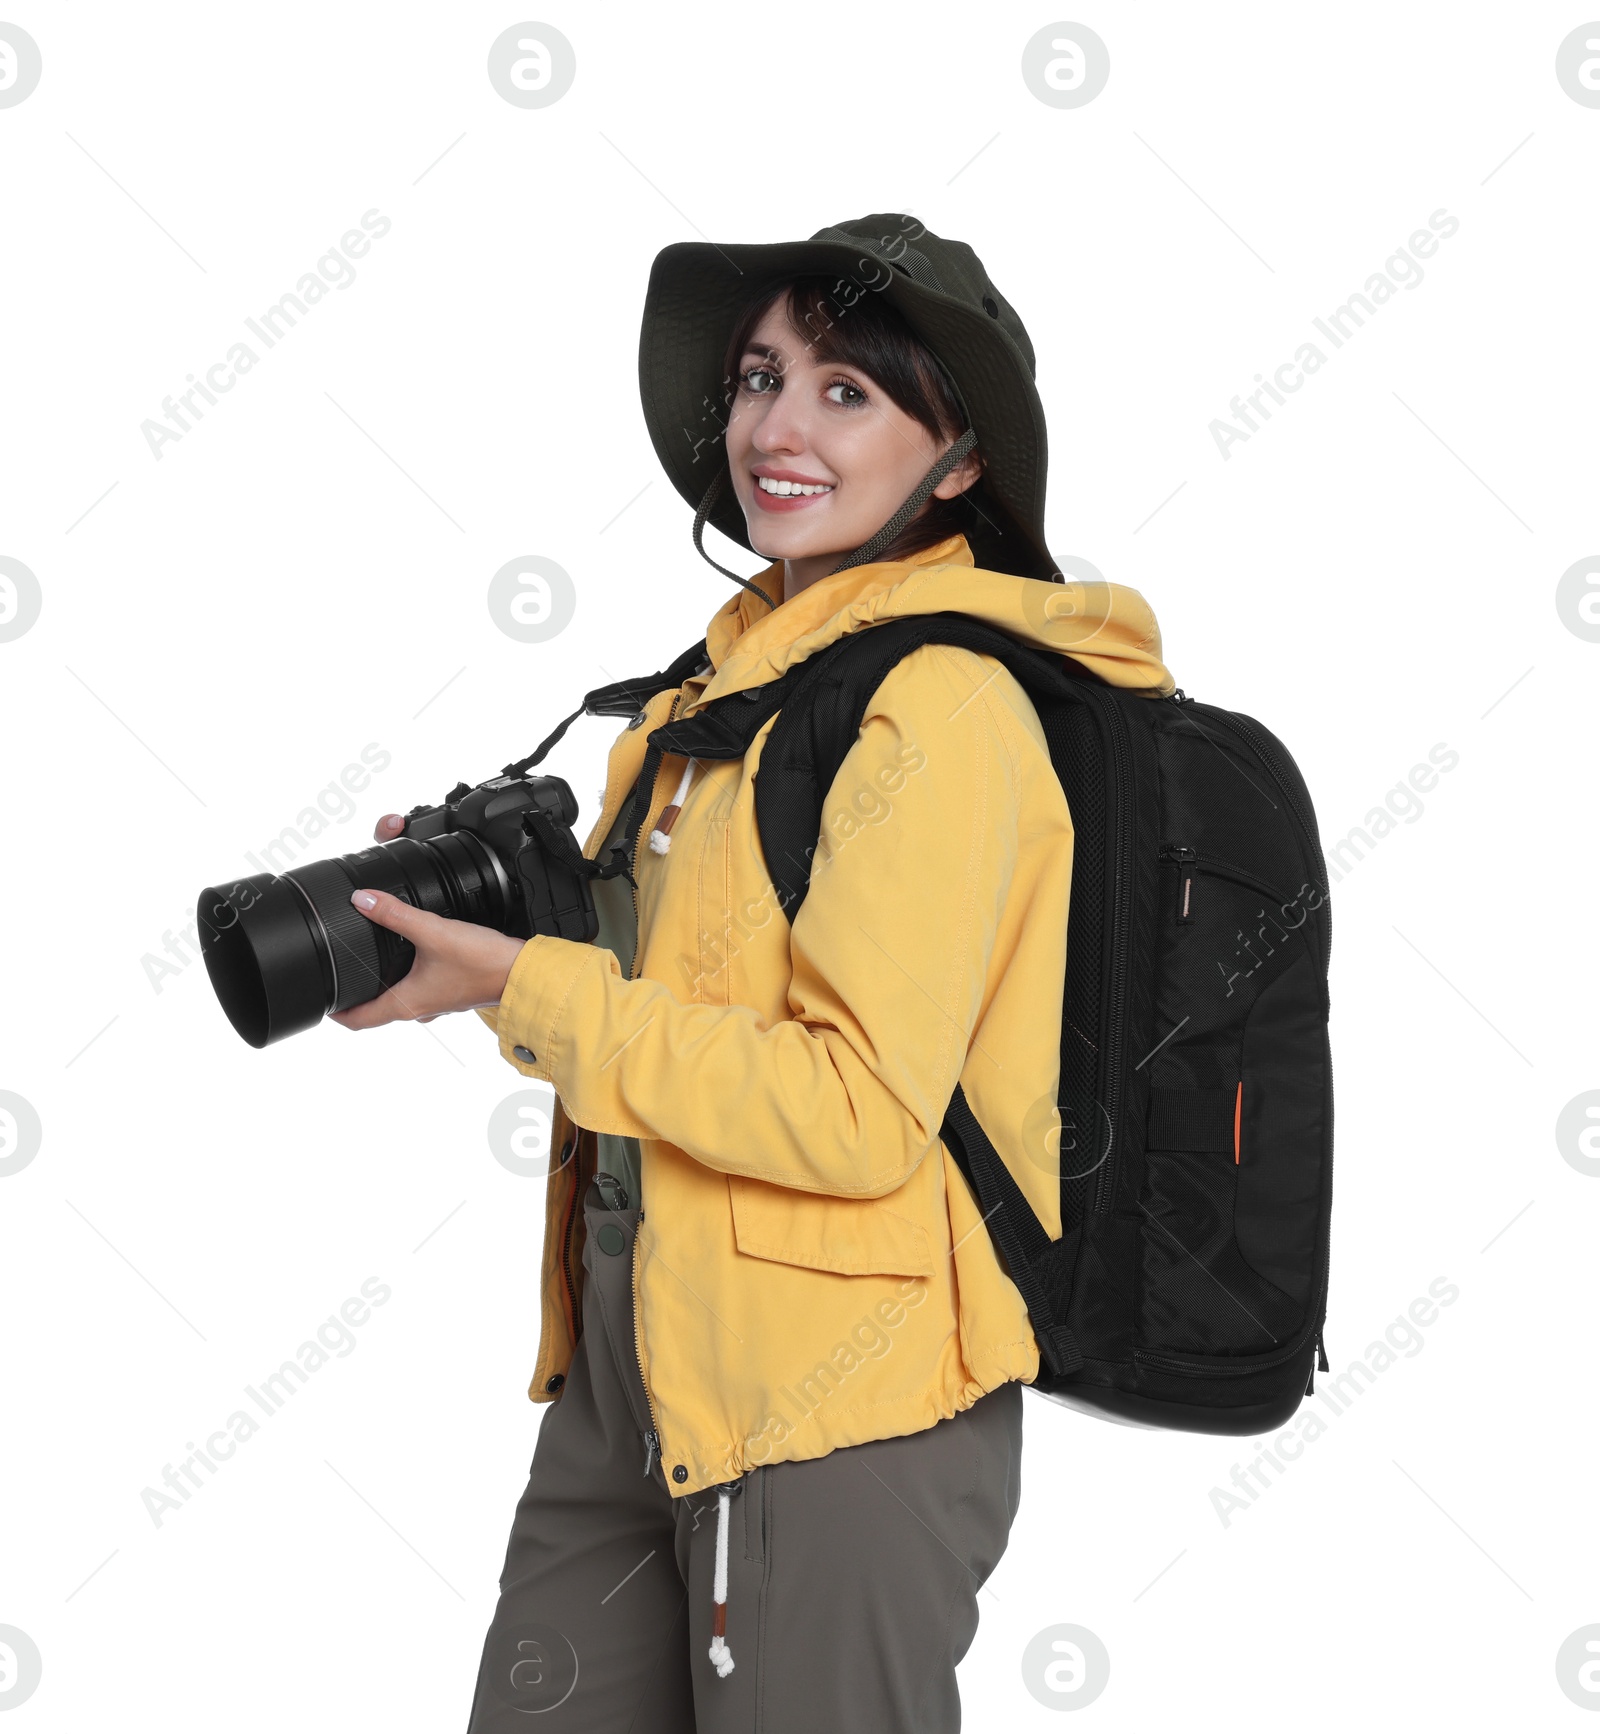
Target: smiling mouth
772 495
788 490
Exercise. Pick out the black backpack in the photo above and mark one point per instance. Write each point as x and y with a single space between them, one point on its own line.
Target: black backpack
1189 1285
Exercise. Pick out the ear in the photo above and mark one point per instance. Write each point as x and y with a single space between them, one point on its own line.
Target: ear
960 478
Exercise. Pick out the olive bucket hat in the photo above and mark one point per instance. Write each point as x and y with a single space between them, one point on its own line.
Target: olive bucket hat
942 291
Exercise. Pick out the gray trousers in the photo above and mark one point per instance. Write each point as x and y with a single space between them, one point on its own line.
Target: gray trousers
853 1578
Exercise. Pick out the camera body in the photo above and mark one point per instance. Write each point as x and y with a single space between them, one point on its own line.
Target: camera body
542 895
284 950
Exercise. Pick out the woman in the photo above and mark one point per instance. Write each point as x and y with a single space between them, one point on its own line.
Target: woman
786 1362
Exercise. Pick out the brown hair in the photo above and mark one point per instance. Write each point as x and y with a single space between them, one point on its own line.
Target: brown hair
871 335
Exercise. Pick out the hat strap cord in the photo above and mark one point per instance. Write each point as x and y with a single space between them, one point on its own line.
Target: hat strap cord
701 514
914 502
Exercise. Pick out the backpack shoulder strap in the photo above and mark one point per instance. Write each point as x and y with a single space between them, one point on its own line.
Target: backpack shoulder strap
820 722
817 724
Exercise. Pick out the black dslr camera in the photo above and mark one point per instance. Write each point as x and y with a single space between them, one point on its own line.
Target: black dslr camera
284 950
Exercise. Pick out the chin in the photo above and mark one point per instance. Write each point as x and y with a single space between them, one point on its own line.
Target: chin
780 543
781 540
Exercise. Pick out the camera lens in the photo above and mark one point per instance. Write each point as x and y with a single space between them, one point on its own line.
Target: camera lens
284 950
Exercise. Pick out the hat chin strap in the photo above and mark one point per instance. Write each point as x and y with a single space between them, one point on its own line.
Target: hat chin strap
913 503
701 513
875 544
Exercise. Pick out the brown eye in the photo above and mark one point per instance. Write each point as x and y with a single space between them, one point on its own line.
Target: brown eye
759 380
849 394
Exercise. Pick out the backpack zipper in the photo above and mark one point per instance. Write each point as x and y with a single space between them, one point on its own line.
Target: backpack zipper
1209 1366
1220 869
1184 856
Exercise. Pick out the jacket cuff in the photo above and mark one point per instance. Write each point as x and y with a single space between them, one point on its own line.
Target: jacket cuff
528 1019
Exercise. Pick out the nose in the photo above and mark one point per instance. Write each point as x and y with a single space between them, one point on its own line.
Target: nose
780 427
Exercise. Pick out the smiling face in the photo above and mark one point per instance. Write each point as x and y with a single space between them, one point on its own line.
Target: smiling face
820 455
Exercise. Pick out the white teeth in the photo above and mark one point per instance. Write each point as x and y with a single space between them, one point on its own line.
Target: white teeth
768 486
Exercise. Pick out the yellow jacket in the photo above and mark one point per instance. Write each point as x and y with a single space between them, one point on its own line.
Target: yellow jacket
811 1270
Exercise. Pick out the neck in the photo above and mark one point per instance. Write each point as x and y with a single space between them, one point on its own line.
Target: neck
800 574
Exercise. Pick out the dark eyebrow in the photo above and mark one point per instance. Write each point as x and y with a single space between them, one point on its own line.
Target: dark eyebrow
766 350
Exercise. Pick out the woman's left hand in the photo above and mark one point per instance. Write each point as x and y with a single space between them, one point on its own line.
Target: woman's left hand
458 965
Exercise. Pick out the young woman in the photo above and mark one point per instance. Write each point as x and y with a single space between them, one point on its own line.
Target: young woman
784 1358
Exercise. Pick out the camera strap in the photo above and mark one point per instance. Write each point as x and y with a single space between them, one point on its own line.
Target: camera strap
621 698
558 842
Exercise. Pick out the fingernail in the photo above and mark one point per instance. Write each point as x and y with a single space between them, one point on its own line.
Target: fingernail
363 900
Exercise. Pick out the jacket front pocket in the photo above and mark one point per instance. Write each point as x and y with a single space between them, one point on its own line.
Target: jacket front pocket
852 1236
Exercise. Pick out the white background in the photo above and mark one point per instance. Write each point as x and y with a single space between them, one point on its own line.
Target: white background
1372 573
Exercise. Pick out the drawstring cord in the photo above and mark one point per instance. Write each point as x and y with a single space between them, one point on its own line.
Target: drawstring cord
721 1655
660 838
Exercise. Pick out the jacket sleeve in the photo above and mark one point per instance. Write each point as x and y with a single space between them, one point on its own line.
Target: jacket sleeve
891 953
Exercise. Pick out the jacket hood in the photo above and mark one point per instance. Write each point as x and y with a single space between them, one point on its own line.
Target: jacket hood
1109 628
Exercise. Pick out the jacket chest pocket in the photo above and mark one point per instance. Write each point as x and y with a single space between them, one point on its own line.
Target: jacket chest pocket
851 1236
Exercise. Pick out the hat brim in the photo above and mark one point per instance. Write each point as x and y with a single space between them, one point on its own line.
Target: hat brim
695 293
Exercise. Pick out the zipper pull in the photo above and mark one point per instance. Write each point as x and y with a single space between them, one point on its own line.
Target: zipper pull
1322 1355
652 1450
1185 857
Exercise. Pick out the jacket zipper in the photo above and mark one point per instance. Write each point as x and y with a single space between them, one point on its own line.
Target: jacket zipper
566 1248
639 836
652 1438
1122 775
